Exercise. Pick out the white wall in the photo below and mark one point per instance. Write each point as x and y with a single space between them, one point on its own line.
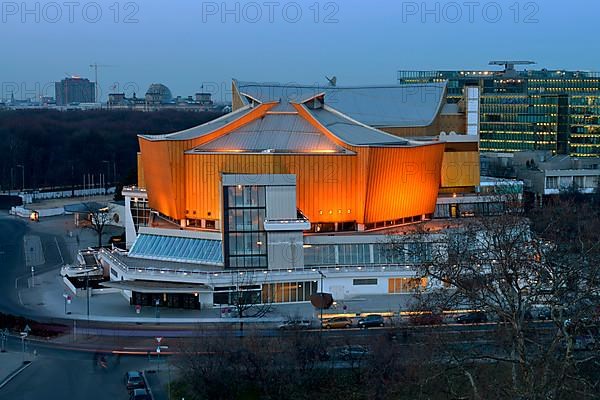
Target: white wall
342 288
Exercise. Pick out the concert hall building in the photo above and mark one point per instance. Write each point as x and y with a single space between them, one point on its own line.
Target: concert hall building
299 186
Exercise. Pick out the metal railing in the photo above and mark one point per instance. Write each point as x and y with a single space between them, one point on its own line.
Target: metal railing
183 273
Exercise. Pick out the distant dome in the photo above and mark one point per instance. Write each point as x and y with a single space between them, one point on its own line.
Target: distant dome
158 93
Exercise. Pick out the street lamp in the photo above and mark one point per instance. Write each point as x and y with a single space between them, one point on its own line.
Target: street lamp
67 301
23 337
22 176
107 175
87 294
12 180
322 296
3 337
157 303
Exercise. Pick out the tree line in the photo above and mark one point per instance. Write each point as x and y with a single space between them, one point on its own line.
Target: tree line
505 267
56 149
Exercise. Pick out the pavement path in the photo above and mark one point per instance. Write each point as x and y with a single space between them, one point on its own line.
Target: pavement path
55 241
10 362
34 253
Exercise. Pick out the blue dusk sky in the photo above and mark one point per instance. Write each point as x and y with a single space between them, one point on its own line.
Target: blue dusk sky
190 44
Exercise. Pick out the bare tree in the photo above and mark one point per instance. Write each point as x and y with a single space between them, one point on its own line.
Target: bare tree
507 266
98 218
246 296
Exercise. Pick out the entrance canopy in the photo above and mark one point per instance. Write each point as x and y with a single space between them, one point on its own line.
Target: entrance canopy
158 287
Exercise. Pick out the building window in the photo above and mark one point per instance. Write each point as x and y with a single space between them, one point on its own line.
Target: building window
566 182
354 254
319 255
286 292
406 285
211 224
244 233
552 182
140 212
364 281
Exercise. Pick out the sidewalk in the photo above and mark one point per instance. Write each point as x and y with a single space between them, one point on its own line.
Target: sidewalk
10 362
158 379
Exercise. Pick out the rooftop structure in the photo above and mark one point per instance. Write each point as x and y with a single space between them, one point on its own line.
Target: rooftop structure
159 97
545 174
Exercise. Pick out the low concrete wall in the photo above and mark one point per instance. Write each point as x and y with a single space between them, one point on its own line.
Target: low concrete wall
26 212
31 197
70 286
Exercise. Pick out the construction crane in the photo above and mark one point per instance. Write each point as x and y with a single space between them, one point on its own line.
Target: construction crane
95 67
510 65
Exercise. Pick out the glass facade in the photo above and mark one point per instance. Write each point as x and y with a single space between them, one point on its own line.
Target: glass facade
280 292
367 253
228 295
406 285
245 236
285 292
529 110
179 249
140 211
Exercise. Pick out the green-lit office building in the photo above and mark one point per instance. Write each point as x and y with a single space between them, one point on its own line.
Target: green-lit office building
543 109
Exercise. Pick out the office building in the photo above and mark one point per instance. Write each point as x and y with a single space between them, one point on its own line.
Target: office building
549 110
75 90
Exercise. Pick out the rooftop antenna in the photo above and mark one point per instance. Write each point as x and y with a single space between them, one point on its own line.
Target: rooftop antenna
332 80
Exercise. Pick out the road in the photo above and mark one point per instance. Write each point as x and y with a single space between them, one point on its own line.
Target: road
61 374
13 269
12 263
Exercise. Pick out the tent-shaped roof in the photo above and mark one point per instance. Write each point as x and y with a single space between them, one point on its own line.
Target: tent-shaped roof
203 129
274 133
377 106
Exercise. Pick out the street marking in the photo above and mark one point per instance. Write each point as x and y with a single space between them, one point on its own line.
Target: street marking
34 251
62 260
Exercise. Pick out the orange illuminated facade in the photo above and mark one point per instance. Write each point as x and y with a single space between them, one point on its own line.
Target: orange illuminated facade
347 172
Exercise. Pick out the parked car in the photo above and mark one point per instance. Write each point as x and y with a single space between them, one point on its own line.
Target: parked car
585 333
584 341
541 313
370 321
295 324
426 319
353 352
337 322
140 394
544 313
134 380
476 317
